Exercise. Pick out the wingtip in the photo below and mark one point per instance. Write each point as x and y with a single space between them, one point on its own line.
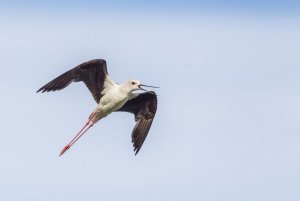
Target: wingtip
40 90
136 150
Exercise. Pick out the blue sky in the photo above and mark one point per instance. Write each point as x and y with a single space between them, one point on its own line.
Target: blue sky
227 125
264 6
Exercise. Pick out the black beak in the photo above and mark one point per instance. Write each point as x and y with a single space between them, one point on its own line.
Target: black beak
143 85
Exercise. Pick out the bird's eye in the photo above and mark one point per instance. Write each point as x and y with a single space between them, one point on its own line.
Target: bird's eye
133 83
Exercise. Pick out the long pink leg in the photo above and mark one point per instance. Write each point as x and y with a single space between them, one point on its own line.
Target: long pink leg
79 134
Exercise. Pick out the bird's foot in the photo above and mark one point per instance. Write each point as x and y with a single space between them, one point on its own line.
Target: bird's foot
64 149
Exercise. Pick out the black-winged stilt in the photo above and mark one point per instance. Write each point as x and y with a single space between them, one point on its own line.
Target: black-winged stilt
110 97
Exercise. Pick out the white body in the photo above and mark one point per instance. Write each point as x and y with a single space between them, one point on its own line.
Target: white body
114 97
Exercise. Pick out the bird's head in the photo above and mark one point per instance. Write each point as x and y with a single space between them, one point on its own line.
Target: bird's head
134 85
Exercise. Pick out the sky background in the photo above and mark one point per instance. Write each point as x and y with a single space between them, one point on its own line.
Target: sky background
227 125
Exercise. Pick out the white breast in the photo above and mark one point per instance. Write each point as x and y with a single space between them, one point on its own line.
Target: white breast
112 100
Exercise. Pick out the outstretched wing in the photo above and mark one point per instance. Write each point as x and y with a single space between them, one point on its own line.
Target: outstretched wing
92 73
144 108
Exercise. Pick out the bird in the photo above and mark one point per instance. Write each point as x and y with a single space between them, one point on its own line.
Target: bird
110 97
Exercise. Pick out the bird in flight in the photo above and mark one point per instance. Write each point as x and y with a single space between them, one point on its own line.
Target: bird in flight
110 97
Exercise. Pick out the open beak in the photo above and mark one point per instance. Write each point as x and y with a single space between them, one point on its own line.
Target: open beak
143 85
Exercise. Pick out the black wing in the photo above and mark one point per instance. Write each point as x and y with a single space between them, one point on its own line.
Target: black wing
92 73
144 108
